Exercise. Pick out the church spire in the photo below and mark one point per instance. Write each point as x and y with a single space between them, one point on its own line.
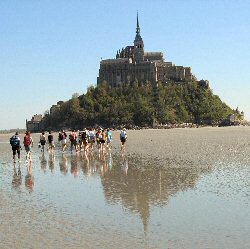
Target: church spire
138 44
138 30
138 25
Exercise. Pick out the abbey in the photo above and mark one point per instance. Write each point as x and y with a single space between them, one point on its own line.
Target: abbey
133 63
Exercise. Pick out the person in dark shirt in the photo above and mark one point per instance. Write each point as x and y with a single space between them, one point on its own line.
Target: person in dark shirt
51 142
42 140
16 147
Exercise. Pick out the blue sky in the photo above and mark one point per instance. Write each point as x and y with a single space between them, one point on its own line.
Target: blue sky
52 49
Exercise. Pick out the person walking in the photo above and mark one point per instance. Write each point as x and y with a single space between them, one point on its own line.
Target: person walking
85 139
73 140
16 146
103 139
62 139
109 139
42 141
28 143
123 138
92 138
98 137
51 142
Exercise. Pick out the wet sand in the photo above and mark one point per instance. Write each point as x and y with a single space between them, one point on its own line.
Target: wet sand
178 188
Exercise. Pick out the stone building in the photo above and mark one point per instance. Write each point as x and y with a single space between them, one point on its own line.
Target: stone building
35 124
133 63
56 107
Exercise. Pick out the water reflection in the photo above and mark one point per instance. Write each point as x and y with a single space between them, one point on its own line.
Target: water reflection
124 164
52 162
17 177
63 164
29 178
103 165
85 163
138 184
110 161
43 161
74 164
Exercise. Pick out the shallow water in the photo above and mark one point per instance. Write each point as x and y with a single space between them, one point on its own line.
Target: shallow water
180 188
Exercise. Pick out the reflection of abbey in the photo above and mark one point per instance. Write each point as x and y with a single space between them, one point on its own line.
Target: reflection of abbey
133 63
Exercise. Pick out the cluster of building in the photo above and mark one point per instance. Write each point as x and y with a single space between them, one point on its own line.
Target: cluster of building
36 123
133 63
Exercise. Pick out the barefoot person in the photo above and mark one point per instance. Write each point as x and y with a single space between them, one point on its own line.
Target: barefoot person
85 139
98 139
62 139
92 139
109 139
73 141
123 138
51 142
15 144
103 139
28 143
42 140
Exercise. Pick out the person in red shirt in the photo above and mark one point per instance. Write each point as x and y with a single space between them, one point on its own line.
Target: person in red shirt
28 143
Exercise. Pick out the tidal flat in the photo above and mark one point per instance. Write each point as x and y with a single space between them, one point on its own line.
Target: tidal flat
176 188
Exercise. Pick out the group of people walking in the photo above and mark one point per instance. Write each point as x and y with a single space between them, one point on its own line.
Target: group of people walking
79 141
85 140
15 142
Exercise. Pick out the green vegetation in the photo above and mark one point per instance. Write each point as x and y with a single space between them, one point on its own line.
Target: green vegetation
140 105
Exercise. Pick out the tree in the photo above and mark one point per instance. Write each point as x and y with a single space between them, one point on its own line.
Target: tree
140 104
75 95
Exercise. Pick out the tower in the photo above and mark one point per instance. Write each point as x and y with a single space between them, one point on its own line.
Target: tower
138 44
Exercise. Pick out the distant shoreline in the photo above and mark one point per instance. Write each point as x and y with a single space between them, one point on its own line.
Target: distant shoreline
22 131
172 126
12 131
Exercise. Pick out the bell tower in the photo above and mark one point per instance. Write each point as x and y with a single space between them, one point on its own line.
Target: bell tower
138 44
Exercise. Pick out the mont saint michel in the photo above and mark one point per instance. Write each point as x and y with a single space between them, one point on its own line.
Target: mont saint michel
133 63
140 89
137 159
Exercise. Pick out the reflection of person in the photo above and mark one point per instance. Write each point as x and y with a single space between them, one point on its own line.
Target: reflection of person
74 165
43 163
51 162
63 164
124 165
85 163
103 164
93 165
110 162
29 178
17 177
15 144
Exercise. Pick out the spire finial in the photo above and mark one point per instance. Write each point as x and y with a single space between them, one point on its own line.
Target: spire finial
138 25
138 30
